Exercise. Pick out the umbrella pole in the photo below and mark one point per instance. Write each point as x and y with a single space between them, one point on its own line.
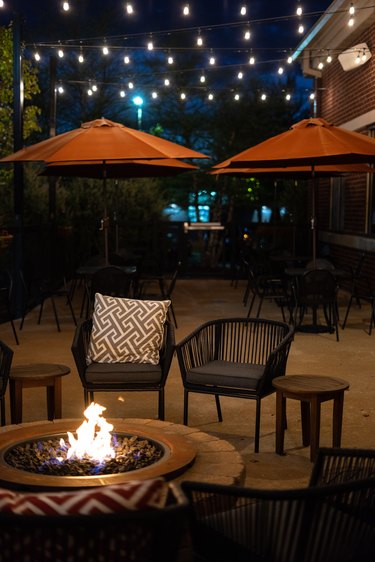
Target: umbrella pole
313 218
105 219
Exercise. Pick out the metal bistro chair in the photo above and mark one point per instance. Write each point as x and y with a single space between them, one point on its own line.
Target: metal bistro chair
6 294
147 284
110 280
362 289
315 288
236 357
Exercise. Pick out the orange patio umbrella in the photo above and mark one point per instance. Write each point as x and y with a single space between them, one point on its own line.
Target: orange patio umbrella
102 144
299 172
311 142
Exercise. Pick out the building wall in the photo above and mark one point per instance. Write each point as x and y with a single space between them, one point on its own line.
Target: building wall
342 97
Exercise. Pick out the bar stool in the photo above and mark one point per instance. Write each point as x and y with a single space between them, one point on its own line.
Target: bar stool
311 391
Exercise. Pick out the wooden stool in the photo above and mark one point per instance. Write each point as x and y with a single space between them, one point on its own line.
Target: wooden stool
33 375
311 390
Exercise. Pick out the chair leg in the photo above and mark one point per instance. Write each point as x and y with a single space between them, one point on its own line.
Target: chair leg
251 306
55 313
2 406
186 405
347 312
69 302
257 426
218 407
161 405
40 312
14 332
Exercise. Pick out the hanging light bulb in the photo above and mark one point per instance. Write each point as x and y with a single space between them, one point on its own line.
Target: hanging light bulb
312 96
247 35
183 96
126 59
210 96
122 93
81 58
154 95
243 10
364 56
66 6
37 56
212 60
240 75
236 97
351 14
358 59
299 9
186 10
288 97
263 97
94 88
129 8
60 89
89 92
199 41
131 86
167 82
60 52
202 79
252 60
329 58
280 70
301 29
1 3
105 50
150 45
170 60
320 65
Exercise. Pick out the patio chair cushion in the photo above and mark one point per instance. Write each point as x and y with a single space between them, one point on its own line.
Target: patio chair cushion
132 495
111 373
126 330
226 373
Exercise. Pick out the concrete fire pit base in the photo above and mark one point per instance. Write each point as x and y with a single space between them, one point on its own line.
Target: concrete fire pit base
190 454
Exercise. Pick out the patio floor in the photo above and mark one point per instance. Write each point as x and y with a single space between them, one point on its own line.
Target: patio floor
196 301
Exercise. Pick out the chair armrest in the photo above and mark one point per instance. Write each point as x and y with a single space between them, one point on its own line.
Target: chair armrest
194 350
80 346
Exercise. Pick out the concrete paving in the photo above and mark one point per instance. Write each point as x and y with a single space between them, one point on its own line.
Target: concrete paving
196 301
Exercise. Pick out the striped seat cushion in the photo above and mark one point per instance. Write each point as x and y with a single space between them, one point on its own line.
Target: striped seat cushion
133 495
126 330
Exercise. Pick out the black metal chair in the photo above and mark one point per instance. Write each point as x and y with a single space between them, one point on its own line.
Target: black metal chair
118 377
336 465
362 289
316 288
333 523
146 289
6 356
6 295
236 357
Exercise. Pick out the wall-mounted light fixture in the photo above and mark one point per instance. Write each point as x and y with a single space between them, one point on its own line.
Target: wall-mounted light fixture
355 56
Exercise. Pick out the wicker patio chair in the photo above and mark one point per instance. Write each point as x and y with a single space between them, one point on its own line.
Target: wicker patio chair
336 465
236 357
323 524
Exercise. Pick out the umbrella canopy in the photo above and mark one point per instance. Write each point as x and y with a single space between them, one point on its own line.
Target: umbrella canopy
300 172
101 140
119 168
311 142
100 144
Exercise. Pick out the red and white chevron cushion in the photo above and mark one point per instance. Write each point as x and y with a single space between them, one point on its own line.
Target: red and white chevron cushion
126 330
133 495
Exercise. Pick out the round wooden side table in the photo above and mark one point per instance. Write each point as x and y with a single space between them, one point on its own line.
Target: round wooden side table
33 375
311 391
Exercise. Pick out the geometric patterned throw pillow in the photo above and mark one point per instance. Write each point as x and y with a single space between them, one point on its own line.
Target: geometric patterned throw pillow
126 330
133 495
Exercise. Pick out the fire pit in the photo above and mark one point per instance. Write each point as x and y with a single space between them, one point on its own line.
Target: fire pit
137 453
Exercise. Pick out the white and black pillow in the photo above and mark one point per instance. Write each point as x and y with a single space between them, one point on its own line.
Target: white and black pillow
127 330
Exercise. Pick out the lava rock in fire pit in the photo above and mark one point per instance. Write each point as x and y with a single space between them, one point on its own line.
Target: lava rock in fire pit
49 457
